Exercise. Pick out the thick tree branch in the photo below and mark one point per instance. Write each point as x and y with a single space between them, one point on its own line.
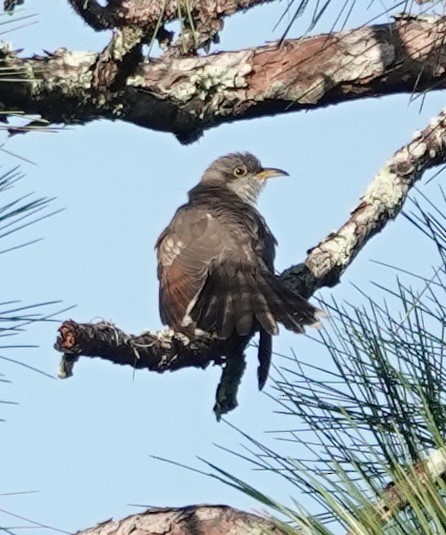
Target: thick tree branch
186 96
191 520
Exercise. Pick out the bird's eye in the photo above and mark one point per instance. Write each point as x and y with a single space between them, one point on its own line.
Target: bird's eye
240 171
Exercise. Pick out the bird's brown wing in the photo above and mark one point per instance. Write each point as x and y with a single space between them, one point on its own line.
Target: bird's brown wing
186 250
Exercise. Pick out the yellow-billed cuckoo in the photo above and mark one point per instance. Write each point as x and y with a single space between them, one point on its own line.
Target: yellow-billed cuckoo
216 263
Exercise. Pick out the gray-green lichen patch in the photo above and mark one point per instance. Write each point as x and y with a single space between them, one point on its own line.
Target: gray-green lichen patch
336 250
123 41
210 79
6 48
362 55
66 71
385 190
137 80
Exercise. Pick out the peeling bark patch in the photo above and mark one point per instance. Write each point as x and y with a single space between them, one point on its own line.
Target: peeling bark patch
306 70
70 72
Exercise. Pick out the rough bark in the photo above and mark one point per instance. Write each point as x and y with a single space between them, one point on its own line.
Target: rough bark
159 351
324 265
188 95
192 520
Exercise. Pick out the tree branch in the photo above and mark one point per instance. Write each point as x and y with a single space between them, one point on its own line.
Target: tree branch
159 351
145 14
200 20
186 96
381 203
418 478
191 520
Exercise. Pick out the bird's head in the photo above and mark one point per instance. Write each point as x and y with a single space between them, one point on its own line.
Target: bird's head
242 173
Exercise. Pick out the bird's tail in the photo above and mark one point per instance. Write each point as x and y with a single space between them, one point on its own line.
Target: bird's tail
287 307
245 301
264 355
248 300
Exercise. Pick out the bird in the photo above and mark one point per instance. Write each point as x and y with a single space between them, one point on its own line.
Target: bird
216 264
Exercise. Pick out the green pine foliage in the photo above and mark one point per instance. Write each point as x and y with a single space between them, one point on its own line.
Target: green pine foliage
15 216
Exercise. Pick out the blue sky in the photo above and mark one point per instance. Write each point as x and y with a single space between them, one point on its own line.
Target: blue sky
85 444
